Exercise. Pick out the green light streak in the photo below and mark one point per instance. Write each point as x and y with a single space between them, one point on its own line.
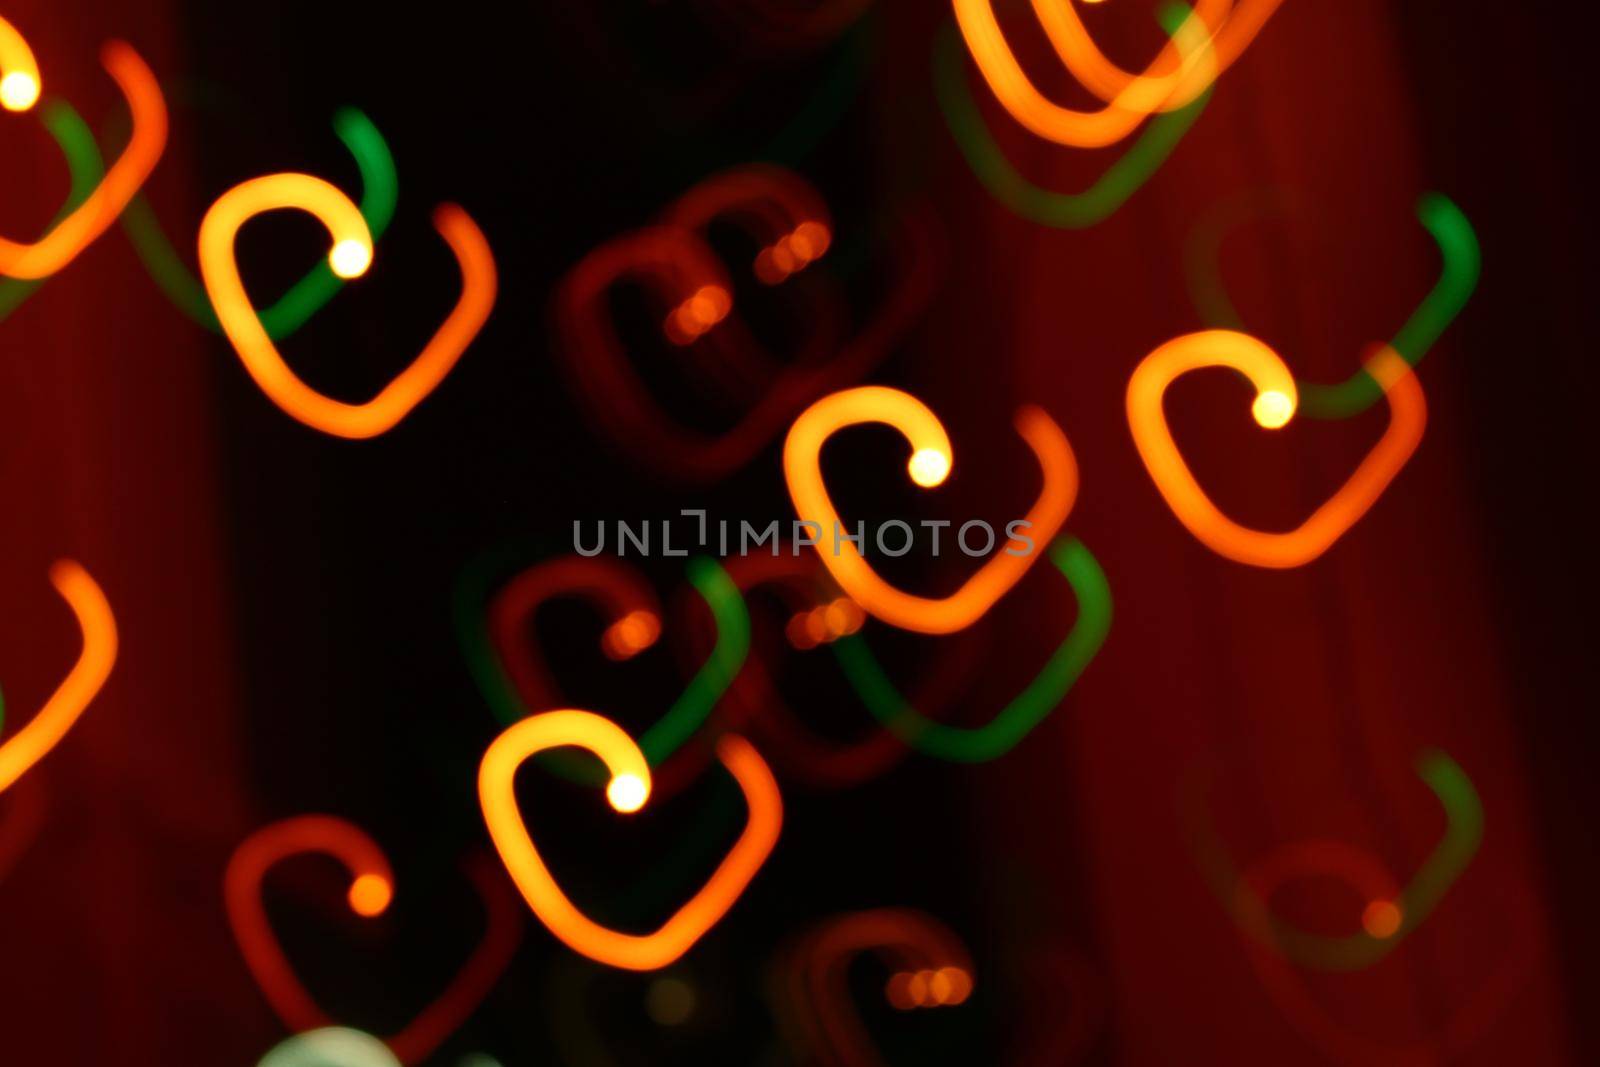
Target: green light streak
1463 263
86 168
379 192
980 744
1458 277
1060 210
1462 836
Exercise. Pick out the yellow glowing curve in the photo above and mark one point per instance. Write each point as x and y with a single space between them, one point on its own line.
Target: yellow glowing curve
19 74
922 429
99 629
89 220
1166 79
350 255
1267 373
599 735
1081 129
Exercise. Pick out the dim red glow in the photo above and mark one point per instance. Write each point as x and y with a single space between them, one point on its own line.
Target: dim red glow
369 895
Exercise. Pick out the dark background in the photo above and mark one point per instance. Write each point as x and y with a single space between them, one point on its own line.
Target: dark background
285 596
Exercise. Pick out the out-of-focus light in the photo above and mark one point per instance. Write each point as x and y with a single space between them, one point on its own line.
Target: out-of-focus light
98 628
351 257
920 730
631 634
930 462
73 232
669 1001
842 617
708 306
19 72
1381 918
1124 111
371 886
370 895
799 631
1270 377
959 985
929 966
1272 409
929 467
351 251
332 1046
1050 207
1391 912
1221 29
810 240
622 758
627 792
302 300
18 91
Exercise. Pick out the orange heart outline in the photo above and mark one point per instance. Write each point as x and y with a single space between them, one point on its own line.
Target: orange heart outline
1127 108
98 627
81 226
628 791
1275 403
930 464
371 890
350 257
1235 29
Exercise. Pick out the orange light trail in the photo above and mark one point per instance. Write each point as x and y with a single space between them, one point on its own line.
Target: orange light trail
1081 129
629 790
1276 400
1167 79
99 630
73 233
930 464
350 255
19 73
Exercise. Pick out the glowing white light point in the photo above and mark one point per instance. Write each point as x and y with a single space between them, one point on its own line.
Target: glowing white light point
929 467
1273 409
627 792
18 91
350 258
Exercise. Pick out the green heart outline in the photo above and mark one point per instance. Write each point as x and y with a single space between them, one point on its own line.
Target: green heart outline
1450 857
1026 710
